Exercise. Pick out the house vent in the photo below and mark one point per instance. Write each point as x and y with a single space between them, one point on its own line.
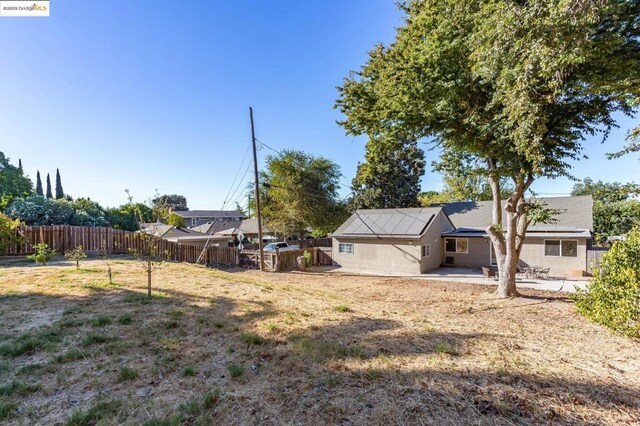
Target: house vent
449 260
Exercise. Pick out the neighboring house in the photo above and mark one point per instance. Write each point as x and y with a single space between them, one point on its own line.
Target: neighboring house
386 240
182 235
193 218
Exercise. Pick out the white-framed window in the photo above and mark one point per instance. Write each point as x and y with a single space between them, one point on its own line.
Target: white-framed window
426 250
456 245
345 248
561 248
194 221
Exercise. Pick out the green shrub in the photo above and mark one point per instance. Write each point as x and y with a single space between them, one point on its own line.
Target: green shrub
189 371
342 308
42 254
307 258
613 296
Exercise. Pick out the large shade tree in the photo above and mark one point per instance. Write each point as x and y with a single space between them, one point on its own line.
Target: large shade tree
300 193
390 174
13 182
505 88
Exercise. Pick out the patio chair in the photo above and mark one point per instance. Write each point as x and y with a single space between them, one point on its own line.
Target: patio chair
489 273
543 273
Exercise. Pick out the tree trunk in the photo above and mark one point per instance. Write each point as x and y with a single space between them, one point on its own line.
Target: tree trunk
109 274
77 264
149 280
504 241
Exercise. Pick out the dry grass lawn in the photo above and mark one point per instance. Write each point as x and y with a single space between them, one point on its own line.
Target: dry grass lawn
214 347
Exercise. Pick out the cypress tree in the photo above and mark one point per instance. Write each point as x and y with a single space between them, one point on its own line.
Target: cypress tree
59 192
49 194
39 184
20 164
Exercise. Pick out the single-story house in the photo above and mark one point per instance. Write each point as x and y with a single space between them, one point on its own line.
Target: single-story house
417 240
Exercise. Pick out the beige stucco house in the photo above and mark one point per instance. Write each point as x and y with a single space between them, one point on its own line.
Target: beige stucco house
418 240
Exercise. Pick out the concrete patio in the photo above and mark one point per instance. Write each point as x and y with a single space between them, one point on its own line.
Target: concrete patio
474 276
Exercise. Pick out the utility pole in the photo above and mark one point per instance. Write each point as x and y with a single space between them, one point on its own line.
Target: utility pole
255 172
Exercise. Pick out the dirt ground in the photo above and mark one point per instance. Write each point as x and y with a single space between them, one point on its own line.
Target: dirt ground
236 347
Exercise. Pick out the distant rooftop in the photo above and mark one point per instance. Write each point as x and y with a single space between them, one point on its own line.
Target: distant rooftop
209 213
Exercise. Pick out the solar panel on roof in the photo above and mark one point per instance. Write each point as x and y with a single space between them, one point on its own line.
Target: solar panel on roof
392 222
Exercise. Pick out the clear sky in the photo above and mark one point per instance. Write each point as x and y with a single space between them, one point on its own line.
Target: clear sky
147 95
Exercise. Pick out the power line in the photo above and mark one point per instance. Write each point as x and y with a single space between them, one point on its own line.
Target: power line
236 176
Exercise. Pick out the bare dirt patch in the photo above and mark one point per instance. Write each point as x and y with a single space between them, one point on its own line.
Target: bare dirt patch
305 348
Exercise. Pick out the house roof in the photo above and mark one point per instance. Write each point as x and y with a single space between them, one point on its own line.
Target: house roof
575 212
213 227
391 223
187 214
250 226
162 230
474 232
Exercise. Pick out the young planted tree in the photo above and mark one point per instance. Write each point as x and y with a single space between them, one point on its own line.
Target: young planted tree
105 256
149 252
42 253
76 254
149 255
505 89
59 191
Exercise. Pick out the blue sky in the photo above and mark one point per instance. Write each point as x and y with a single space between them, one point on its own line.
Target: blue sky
154 95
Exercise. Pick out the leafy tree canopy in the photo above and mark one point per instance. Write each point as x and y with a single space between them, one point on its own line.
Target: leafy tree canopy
507 89
9 232
13 183
301 192
390 175
127 216
176 220
615 211
604 191
38 210
173 202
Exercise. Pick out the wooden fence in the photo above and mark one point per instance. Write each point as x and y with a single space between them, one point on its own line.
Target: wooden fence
286 260
594 257
114 241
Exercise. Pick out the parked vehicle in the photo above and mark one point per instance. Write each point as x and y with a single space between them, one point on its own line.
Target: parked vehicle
280 246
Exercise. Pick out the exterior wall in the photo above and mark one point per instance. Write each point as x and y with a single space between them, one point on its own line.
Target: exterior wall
477 254
394 255
386 255
433 238
533 254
